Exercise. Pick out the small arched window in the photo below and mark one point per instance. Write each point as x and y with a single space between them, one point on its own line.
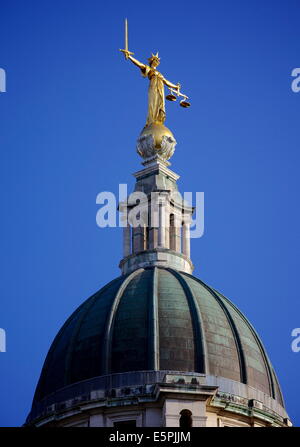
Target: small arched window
186 420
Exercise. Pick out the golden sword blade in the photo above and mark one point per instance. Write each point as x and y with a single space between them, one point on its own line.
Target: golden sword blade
126 35
125 51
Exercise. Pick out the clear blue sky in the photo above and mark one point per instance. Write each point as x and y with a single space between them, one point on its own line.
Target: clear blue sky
68 125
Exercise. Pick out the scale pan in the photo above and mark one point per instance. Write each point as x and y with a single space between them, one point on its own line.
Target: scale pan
184 103
171 97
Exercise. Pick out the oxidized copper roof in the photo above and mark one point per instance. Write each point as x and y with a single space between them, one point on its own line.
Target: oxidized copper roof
157 319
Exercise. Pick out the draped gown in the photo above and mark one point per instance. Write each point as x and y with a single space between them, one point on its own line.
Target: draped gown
156 96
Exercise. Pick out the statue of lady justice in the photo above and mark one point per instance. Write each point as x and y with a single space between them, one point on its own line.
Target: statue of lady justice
162 142
156 93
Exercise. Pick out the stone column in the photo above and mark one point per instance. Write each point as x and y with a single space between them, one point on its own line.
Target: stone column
177 232
126 240
167 227
138 240
161 226
171 233
154 222
186 246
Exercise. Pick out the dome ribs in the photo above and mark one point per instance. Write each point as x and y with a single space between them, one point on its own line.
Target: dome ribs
153 329
107 343
200 358
152 320
42 385
76 363
70 351
176 333
239 346
267 362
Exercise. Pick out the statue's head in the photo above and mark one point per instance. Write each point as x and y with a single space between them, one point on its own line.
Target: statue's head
154 60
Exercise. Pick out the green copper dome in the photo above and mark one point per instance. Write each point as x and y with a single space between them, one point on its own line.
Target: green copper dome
157 319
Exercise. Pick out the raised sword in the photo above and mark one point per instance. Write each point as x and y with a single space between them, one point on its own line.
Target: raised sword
125 51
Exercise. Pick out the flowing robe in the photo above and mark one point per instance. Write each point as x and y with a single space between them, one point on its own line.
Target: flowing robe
156 96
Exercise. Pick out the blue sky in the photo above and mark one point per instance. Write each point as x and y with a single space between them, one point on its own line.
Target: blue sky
68 125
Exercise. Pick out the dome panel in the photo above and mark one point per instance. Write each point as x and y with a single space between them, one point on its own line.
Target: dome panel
258 373
176 336
55 360
85 355
130 332
222 355
75 353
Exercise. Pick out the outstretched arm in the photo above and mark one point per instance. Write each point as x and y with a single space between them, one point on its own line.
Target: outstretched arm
133 60
171 85
137 63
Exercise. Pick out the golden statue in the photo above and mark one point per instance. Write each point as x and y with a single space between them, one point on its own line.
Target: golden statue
156 93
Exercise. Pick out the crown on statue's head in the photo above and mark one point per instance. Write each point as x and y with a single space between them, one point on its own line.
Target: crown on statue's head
154 57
